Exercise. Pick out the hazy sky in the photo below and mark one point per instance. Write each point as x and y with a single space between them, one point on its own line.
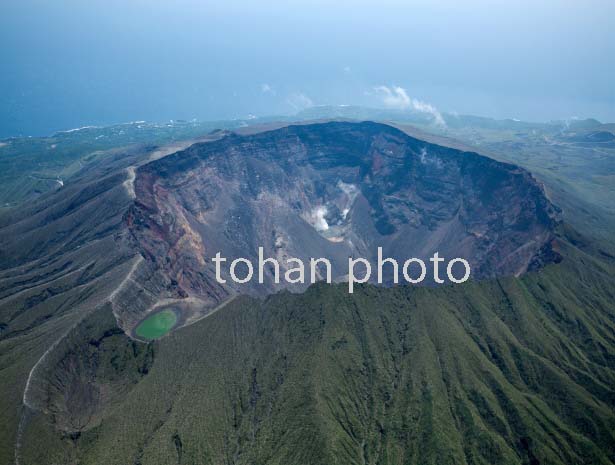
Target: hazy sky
70 63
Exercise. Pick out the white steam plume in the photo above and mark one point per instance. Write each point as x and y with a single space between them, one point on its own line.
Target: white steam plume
397 97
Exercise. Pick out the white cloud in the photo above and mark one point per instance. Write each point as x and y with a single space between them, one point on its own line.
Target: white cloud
299 101
267 89
397 97
394 97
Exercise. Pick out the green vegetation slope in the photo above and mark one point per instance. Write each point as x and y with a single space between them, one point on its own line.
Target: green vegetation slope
509 371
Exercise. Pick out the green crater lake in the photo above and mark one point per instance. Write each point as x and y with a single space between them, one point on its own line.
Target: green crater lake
157 325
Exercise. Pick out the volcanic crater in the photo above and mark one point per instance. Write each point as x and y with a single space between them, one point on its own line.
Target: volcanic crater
333 190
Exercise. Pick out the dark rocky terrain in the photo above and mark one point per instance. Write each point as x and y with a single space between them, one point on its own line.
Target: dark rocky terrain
335 190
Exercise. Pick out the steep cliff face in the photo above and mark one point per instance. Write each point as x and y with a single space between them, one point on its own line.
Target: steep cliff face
334 190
